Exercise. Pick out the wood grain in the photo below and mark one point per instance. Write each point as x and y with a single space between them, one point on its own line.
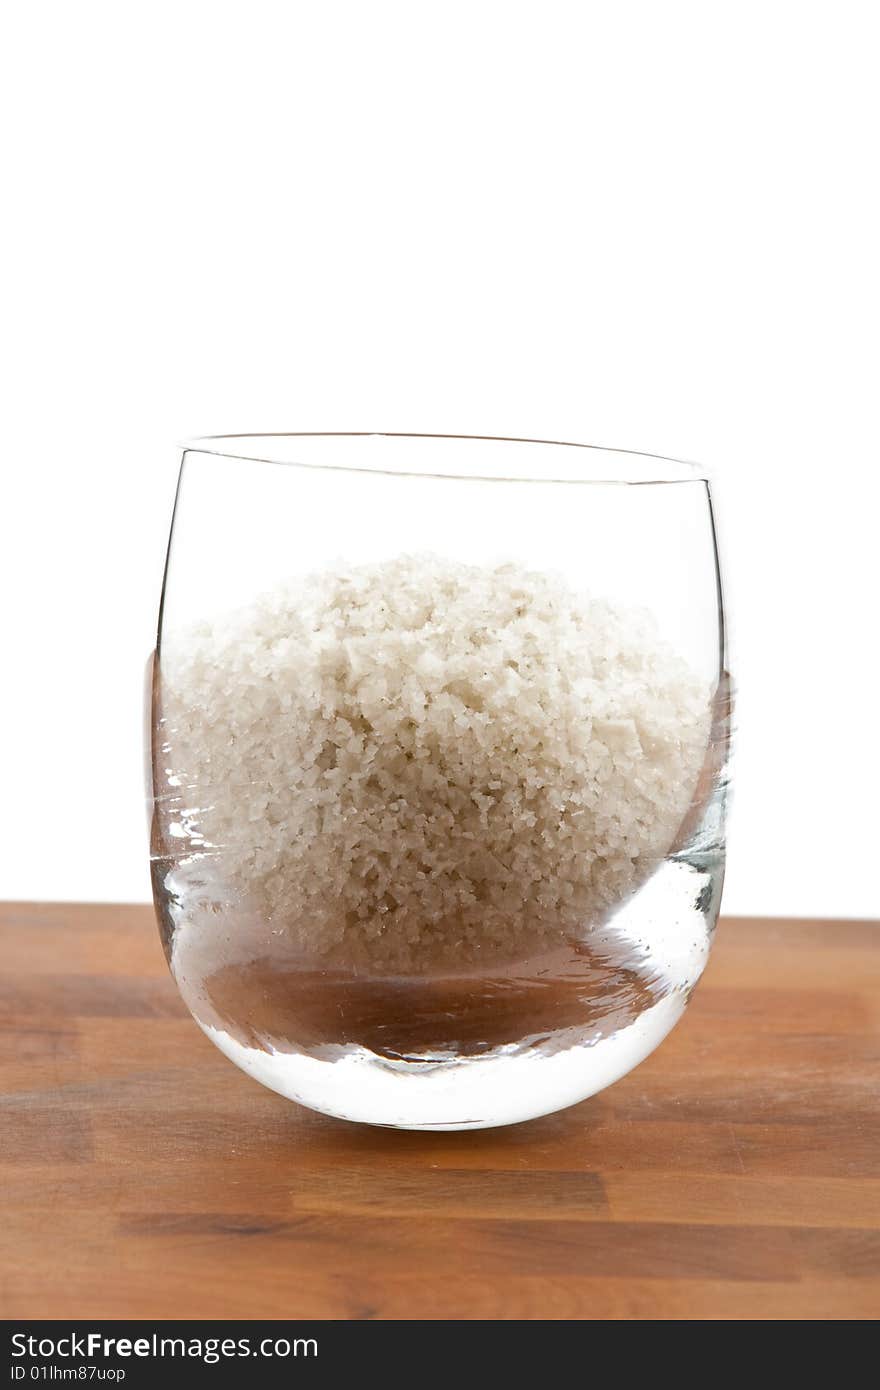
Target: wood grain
735 1174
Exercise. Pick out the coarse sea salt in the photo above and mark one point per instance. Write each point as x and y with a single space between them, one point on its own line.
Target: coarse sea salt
422 763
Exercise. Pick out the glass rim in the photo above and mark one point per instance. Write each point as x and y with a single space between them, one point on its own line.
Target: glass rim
645 469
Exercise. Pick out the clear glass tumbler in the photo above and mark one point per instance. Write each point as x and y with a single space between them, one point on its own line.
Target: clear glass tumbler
439 734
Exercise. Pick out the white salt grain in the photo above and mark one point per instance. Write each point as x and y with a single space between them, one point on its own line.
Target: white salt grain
423 762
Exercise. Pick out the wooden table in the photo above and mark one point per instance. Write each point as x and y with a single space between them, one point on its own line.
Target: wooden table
735 1174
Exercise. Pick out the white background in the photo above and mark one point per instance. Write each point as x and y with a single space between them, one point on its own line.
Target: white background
650 225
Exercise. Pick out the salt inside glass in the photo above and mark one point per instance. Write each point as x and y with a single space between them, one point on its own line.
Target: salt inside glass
438 766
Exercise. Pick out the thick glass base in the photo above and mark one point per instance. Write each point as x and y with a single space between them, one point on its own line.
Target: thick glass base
469 1051
502 1087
